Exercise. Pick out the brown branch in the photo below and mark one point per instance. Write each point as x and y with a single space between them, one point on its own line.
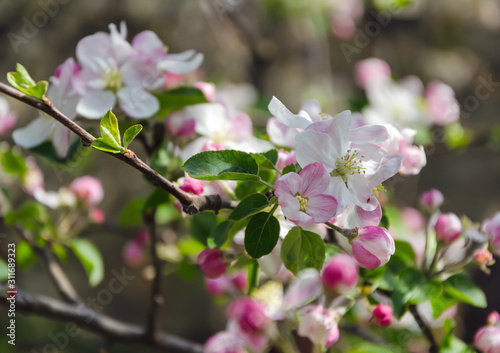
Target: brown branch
191 204
156 299
105 326
56 273
434 348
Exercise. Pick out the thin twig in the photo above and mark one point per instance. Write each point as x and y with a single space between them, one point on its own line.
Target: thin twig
156 298
191 203
105 326
56 273
434 348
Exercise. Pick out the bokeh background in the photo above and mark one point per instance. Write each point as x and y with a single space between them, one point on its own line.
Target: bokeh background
281 47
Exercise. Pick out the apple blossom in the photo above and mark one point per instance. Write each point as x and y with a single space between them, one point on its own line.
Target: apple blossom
431 200
355 217
179 124
372 71
249 314
191 185
62 94
212 263
318 324
442 105
88 189
340 273
305 287
301 196
356 164
487 339
225 342
208 89
96 215
493 318
285 158
133 254
7 118
383 315
491 227
448 227
372 247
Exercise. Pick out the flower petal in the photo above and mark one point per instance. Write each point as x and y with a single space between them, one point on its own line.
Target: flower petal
369 134
95 105
138 103
315 179
61 139
280 134
313 146
176 66
305 287
322 208
35 133
285 116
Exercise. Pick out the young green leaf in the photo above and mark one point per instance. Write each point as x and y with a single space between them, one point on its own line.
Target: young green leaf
22 80
130 134
461 287
302 249
179 98
249 206
13 162
109 127
266 160
91 260
261 234
222 165
106 145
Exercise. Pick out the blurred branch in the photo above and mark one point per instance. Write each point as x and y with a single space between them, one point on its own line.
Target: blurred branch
156 298
434 348
191 204
56 273
105 326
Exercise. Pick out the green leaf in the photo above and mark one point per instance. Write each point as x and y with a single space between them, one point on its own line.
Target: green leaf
452 344
91 259
13 163
425 292
266 160
131 213
302 249
22 80
404 251
222 165
461 287
4 271
369 348
25 256
106 145
130 134
31 216
331 250
202 225
291 168
249 206
441 303
60 251
384 221
76 153
261 234
219 235
177 99
109 127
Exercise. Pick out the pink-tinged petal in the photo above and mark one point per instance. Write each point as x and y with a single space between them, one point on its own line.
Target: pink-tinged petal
88 81
285 116
95 105
138 103
364 258
62 85
122 49
301 219
208 89
315 179
369 134
414 160
193 148
361 191
368 218
315 146
7 123
94 50
181 67
305 287
139 72
241 127
338 189
35 133
288 184
147 42
290 206
61 139
280 134
312 108
322 208
390 165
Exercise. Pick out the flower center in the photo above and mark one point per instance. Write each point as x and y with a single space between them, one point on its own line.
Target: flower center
350 164
302 202
112 78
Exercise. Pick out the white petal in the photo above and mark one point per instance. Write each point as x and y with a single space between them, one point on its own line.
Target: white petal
181 67
338 189
285 116
369 134
315 146
61 139
305 287
138 103
280 134
95 105
211 120
35 133
93 50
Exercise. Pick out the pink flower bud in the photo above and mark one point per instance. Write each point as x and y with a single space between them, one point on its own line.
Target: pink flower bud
493 318
240 282
179 124
191 185
88 189
483 257
442 105
487 339
318 324
448 227
491 227
413 219
372 71
212 263
133 254
372 247
97 216
209 90
383 315
431 199
340 273
249 314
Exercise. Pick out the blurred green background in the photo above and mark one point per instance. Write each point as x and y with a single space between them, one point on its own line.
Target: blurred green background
284 48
